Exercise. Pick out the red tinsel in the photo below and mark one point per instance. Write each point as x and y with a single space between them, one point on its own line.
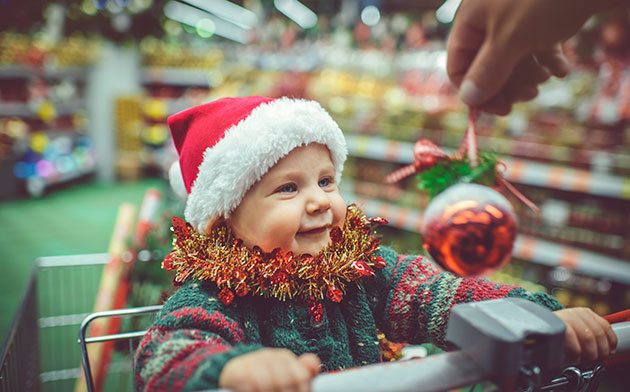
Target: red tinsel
223 259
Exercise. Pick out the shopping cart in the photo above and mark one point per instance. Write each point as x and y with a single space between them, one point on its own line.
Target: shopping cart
40 352
511 342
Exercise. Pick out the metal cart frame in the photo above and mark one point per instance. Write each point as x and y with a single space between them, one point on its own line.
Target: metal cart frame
84 341
40 352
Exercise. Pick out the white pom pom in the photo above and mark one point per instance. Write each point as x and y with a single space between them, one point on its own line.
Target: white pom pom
177 180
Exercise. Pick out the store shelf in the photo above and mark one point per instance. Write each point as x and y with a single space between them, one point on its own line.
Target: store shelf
36 186
526 247
11 109
561 154
582 261
17 71
176 105
71 132
526 149
518 170
176 77
20 109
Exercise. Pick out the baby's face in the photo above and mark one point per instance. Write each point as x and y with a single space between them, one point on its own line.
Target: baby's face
294 205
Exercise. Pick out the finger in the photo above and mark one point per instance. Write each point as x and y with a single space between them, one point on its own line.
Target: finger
527 94
234 380
311 362
610 334
523 83
528 71
571 345
245 386
498 105
465 39
263 379
488 73
593 338
301 375
285 371
515 92
554 60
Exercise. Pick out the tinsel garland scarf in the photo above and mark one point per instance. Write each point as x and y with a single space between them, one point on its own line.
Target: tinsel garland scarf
221 258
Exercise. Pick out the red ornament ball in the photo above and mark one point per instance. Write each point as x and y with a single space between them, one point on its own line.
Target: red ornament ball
469 229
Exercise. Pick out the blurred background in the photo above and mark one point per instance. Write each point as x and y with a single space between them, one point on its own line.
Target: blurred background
86 86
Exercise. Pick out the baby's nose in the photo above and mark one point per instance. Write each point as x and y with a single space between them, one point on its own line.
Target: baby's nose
318 202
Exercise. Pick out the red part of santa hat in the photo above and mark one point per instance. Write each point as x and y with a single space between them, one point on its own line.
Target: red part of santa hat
227 145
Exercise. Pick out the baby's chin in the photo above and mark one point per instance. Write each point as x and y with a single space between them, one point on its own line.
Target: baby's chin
300 245
312 249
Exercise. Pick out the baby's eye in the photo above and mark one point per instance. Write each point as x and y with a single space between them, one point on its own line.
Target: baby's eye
324 182
287 188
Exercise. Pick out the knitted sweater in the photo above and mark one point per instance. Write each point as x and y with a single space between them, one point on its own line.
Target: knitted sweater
409 300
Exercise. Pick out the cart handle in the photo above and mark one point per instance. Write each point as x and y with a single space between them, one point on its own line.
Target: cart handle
440 372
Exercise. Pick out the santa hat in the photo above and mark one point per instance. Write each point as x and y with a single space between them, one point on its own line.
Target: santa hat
226 146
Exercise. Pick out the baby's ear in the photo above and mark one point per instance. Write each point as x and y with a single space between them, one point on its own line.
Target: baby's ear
212 223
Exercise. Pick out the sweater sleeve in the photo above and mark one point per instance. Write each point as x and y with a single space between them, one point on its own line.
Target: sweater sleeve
190 342
418 296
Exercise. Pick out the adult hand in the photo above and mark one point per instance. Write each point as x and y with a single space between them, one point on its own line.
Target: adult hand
499 51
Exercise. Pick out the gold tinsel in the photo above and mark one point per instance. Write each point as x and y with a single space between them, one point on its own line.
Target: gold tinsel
223 259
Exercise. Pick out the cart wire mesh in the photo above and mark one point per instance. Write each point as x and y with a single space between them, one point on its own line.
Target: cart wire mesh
41 352
19 361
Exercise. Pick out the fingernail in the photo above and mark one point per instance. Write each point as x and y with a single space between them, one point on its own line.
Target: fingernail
471 94
564 68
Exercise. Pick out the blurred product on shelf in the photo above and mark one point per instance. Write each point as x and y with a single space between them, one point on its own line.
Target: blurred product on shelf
42 116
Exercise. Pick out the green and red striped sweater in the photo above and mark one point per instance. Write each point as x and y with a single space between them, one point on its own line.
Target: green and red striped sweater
409 300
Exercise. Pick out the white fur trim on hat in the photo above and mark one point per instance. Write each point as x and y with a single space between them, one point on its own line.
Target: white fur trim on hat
251 147
176 180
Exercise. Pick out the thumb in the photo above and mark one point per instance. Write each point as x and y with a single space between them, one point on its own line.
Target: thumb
554 60
488 73
312 363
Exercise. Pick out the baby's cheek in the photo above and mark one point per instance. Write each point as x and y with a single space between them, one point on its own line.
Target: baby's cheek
281 237
340 216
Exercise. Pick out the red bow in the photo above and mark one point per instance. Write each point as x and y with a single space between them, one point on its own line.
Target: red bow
426 154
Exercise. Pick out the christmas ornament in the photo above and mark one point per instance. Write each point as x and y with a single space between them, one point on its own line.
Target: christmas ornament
468 228
236 269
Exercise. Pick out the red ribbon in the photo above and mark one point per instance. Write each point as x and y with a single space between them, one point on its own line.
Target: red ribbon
469 142
426 154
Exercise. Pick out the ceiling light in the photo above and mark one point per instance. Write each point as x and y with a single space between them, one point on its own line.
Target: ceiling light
446 12
192 17
231 12
297 12
370 15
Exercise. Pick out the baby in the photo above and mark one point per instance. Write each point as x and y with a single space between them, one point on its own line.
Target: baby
279 278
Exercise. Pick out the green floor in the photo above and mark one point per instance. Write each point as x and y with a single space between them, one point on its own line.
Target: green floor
75 219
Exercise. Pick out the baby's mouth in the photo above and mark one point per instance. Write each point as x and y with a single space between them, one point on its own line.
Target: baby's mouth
314 231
